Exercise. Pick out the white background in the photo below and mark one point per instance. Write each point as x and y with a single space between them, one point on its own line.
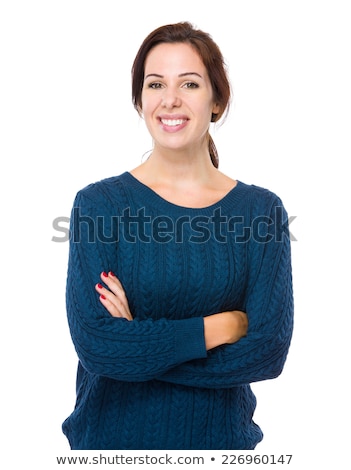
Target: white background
67 120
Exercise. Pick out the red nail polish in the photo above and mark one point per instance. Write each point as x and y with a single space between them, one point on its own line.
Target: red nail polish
112 274
99 286
105 274
102 297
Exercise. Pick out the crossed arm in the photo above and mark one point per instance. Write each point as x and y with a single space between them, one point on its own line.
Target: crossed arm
221 328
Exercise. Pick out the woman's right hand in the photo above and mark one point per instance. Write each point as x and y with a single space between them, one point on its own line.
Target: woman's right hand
113 296
225 328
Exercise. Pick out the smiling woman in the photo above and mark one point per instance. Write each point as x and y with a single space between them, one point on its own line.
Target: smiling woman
206 51
173 319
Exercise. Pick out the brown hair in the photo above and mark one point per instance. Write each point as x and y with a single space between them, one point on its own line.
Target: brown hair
211 57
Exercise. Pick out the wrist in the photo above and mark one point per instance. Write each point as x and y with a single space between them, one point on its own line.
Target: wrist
216 330
224 328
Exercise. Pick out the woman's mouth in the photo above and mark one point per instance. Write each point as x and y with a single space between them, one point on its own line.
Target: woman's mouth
173 124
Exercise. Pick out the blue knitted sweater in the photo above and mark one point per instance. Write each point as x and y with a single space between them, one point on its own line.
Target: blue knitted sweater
149 383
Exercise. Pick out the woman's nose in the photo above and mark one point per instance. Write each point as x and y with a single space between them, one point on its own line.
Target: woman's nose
170 98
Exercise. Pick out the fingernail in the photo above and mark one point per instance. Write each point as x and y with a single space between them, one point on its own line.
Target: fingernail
105 274
112 274
99 286
102 297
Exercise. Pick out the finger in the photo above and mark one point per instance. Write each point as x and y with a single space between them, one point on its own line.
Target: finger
107 294
114 306
113 283
115 286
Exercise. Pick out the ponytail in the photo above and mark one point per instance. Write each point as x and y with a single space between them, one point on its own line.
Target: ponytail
213 152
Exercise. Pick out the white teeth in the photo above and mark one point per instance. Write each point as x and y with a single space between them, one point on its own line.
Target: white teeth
172 122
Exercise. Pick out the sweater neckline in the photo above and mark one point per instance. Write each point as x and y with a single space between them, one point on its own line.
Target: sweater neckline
233 196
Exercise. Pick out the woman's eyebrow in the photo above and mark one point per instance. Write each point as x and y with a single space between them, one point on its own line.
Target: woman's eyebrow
189 73
180 75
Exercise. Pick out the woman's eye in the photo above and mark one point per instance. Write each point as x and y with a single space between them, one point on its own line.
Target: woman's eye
191 85
155 85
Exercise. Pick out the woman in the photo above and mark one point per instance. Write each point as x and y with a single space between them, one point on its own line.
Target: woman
194 300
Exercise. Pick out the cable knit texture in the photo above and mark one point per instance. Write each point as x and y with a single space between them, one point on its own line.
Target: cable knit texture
149 383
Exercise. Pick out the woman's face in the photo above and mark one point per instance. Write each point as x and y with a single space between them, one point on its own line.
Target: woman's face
177 97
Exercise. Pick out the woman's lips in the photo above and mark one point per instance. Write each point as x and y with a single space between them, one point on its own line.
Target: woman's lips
173 124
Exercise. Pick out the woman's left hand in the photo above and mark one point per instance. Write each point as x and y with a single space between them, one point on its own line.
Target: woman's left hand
113 297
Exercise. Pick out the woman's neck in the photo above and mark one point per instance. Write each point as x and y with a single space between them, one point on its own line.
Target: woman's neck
186 182
176 169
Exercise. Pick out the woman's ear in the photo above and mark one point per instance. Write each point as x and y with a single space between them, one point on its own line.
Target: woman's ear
215 111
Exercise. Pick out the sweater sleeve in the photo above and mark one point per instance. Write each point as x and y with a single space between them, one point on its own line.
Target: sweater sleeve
115 347
262 353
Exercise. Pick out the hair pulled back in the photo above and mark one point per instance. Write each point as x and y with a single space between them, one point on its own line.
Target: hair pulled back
211 57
